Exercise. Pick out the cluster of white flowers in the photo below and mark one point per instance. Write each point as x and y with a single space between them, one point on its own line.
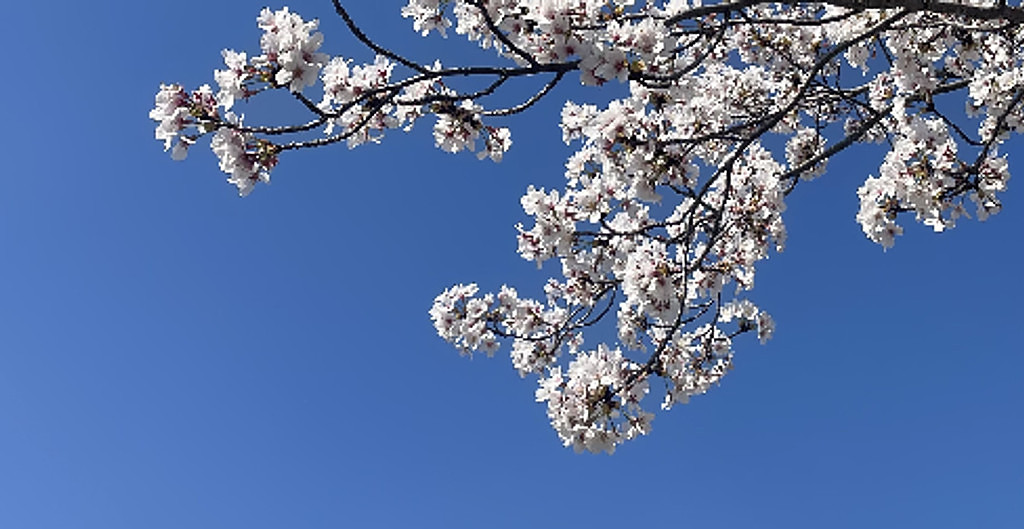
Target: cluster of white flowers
344 85
473 323
290 59
246 159
667 270
232 80
676 191
177 111
673 271
359 103
463 319
289 43
595 406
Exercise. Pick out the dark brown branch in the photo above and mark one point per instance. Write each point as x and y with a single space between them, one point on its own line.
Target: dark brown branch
377 48
1001 12
500 35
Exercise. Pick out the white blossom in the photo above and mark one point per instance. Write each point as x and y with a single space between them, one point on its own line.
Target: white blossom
232 80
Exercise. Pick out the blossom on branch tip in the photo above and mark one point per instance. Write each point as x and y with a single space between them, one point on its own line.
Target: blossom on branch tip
426 16
245 159
497 143
458 127
232 80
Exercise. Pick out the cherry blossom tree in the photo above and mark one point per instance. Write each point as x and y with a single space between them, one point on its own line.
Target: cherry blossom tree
676 190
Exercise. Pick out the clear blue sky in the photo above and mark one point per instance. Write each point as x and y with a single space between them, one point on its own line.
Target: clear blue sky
172 356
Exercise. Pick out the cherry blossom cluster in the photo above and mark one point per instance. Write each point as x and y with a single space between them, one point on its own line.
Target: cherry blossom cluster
675 191
689 143
359 103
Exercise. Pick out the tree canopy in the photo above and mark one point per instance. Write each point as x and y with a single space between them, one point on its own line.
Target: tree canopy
675 191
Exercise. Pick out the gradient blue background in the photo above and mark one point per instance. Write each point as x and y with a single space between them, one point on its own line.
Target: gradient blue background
172 356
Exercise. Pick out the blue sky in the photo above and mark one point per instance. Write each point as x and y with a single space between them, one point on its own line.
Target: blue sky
173 356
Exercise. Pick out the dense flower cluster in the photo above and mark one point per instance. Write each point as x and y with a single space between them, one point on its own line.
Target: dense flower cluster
359 103
676 191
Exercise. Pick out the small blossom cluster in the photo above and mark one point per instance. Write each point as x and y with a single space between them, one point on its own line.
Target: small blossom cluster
595 405
924 173
289 59
459 128
474 323
345 86
242 156
176 111
246 159
464 320
290 46
694 361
